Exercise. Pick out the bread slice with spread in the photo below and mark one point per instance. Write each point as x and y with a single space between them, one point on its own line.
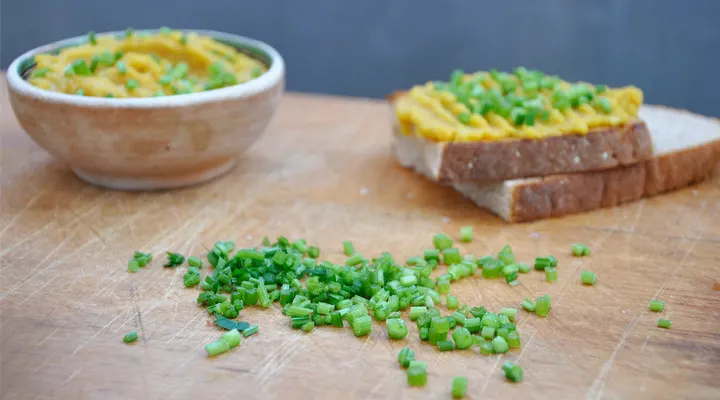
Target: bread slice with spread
687 149
494 126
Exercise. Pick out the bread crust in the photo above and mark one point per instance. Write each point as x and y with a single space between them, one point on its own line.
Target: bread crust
493 161
573 193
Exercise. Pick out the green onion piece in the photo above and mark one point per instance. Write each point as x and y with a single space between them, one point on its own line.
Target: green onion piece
362 326
80 92
512 371
487 332
451 302
478 312
80 67
664 323
431 255
336 319
523 268
451 256
408 280
466 233
543 306
133 266
424 333
308 326
216 348
657 305
513 339
173 260
348 248
40 72
551 274
492 269
442 241
251 330
324 308
509 312
195 262
445 345
183 39
231 338
486 348
604 104
506 255
500 345
91 38
440 324
579 250
588 278
443 286
462 338
528 304
459 318
295 311
353 260
473 324
143 259
130 337
313 252
396 328
517 115
165 80
405 355
600 88
128 32
459 387
464 117
490 319
165 30
131 84
543 262
416 376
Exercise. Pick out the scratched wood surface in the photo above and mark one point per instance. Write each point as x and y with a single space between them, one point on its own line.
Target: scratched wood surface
323 172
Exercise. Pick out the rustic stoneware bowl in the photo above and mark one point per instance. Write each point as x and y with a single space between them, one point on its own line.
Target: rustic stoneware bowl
149 143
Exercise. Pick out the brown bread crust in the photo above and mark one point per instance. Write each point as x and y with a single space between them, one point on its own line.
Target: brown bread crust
573 193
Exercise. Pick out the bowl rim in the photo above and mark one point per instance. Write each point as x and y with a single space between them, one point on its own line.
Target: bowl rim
270 78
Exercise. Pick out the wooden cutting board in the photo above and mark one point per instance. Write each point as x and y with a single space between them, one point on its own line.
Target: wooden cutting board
323 172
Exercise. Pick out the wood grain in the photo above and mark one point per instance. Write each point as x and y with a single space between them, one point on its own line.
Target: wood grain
323 172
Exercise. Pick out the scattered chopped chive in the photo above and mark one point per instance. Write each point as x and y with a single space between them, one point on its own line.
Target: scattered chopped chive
251 330
604 104
506 255
128 32
195 262
464 117
133 266
588 278
528 304
353 260
664 323
657 305
551 274
579 250
143 259
543 262
442 241
492 269
600 88
462 338
445 345
256 71
431 255
451 302
216 348
80 92
466 233
543 306
362 326
109 95
232 338
487 332
417 376
308 326
183 39
473 325
80 67
91 38
348 248
396 328
459 387
131 84
486 348
523 268
512 371
404 354
513 339
40 72
173 260
509 312
451 256
122 69
165 80
130 337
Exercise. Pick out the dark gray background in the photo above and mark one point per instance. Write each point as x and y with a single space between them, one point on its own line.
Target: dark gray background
669 48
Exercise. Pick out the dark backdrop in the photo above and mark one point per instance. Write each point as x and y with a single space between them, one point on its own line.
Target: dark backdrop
669 48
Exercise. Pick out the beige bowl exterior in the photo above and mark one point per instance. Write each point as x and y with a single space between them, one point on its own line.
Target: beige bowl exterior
150 143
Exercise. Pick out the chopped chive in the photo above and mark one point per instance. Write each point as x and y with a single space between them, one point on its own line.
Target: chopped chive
164 30
451 302
509 312
133 266
664 323
513 339
128 32
80 92
143 259
513 372
543 306
464 118
216 348
579 250
604 104
588 278
40 72
91 38
657 305
486 348
396 328
109 95
466 233
174 259
80 67
416 376
353 260
487 332
256 72
165 80
600 88
183 39
445 345
462 338
473 325
232 338
131 84
348 248
523 268
195 262
543 262
130 337
551 274
442 241
528 305
500 345
431 255
253 329
506 255
122 69
308 326
459 387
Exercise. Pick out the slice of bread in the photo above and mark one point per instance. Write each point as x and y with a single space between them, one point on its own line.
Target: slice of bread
494 161
687 147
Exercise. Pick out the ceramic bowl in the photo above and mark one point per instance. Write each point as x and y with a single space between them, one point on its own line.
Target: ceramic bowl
149 143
